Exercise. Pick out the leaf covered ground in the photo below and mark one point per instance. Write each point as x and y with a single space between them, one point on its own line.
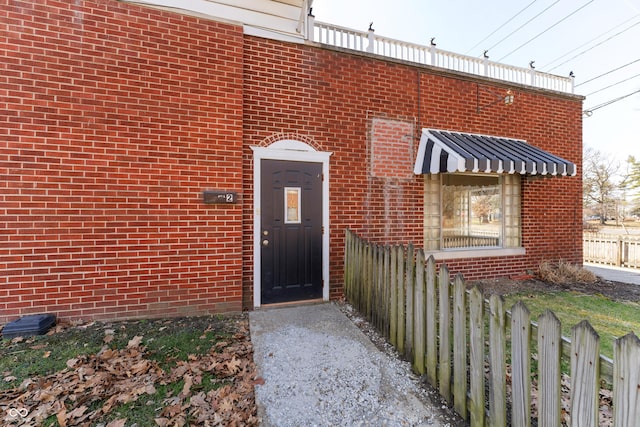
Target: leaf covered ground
176 372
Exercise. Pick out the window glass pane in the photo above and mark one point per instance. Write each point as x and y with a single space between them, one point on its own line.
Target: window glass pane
292 205
471 211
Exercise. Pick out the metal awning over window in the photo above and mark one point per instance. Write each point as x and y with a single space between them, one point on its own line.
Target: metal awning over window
442 151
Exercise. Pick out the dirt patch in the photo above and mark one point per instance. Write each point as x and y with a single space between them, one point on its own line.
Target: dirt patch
614 290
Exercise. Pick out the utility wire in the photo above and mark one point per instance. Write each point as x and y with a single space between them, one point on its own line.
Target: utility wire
589 112
594 46
500 27
586 43
612 85
520 27
541 33
608 72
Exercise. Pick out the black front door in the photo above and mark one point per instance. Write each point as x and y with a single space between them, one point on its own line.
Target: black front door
291 231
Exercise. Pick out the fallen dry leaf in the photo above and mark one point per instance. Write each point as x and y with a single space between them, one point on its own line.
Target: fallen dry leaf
220 345
85 325
172 411
106 353
117 423
134 342
141 366
46 354
77 412
38 346
226 405
62 417
233 366
188 382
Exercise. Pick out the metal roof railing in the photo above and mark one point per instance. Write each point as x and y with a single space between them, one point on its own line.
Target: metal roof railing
368 41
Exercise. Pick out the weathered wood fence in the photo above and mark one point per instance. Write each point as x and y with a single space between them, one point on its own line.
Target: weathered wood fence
460 342
623 251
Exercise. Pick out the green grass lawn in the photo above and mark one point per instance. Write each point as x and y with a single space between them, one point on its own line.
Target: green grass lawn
610 319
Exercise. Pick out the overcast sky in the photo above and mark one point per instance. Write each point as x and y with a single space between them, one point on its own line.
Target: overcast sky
566 29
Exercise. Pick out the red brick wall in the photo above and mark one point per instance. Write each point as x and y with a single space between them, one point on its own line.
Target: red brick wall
113 120
331 99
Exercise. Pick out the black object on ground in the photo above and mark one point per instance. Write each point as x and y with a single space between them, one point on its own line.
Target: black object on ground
36 324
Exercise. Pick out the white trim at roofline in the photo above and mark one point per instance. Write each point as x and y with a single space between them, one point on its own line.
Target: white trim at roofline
266 33
285 21
294 151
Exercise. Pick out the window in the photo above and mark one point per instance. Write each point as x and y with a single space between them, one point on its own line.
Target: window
472 211
292 205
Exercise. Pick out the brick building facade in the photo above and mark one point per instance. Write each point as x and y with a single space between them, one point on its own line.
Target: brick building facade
115 118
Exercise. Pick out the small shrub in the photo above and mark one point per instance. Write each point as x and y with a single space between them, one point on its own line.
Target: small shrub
565 272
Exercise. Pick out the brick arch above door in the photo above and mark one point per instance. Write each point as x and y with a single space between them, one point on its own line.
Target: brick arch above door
291 136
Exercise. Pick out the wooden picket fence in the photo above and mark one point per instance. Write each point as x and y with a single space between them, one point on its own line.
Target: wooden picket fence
442 329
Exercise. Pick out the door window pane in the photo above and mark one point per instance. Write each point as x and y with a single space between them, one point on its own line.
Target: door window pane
292 205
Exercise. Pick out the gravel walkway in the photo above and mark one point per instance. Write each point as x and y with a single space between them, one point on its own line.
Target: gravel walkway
319 369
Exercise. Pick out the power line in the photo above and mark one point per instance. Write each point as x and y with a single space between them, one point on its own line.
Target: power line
586 43
520 27
612 85
541 33
608 72
501 26
589 112
594 46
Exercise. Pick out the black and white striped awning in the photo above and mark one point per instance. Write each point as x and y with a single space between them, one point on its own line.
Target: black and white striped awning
442 151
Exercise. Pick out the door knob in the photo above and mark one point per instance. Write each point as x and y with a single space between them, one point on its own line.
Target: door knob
265 242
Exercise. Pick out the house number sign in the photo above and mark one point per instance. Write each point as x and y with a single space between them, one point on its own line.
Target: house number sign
219 197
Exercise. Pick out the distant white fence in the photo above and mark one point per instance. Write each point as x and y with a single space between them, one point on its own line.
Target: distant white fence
368 41
622 251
